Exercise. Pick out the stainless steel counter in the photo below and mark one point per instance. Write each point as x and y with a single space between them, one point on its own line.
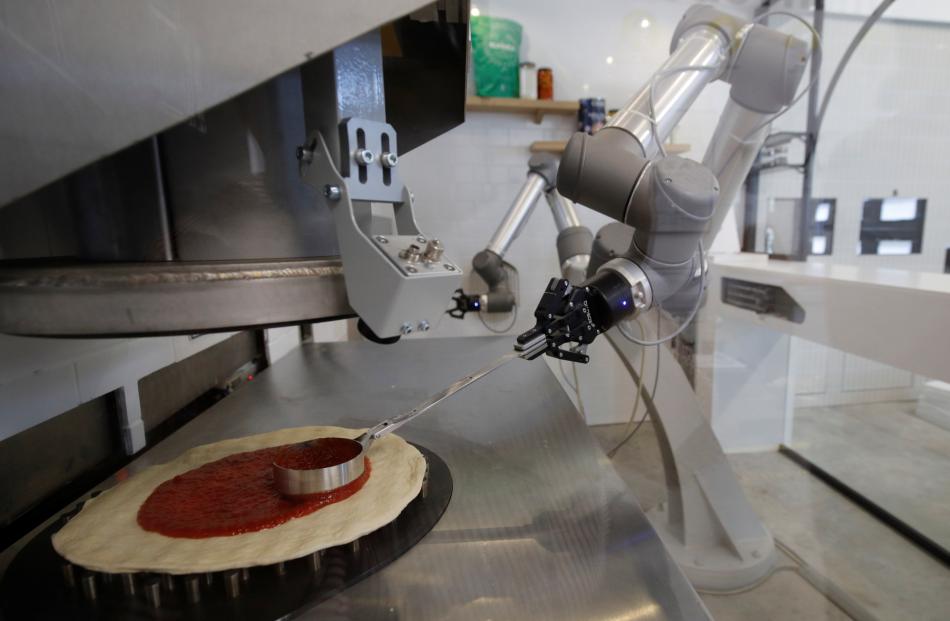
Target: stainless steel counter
540 526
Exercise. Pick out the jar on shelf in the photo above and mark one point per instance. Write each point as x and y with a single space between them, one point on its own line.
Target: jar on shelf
545 83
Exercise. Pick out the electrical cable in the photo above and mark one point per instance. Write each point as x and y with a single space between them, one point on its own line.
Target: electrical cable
639 382
816 43
656 381
577 392
823 585
704 268
855 42
560 366
575 386
747 139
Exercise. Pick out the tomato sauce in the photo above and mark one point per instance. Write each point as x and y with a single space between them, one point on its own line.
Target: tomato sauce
319 453
236 494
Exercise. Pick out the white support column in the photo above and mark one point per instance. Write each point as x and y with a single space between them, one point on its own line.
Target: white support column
706 523
131 425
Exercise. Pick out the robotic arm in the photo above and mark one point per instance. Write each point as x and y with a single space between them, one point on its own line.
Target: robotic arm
573 241
673 204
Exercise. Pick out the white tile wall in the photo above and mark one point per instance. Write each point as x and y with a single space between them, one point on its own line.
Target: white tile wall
42 378
887 129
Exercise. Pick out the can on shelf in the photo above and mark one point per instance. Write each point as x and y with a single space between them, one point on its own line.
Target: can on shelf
545 83
591 114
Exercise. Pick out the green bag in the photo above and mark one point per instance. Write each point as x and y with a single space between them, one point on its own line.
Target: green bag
495 46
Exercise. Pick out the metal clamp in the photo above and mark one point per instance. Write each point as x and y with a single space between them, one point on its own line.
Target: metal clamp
370 178
387 290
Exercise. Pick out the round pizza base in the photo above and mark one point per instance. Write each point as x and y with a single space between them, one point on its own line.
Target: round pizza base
105 535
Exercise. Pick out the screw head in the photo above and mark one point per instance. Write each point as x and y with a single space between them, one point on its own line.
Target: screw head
389 160
406 328
304 154
411 269
382 239
423 326
332 192
364 157
449 267
421 239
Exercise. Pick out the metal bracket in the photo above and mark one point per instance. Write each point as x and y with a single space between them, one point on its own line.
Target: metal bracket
368 160
393 291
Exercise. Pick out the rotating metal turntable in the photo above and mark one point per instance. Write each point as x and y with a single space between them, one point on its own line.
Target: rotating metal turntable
257 593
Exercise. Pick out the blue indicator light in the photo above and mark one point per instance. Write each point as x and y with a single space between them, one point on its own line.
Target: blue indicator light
623 302
477 304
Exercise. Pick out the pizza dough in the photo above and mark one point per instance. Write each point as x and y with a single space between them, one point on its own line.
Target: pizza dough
105 535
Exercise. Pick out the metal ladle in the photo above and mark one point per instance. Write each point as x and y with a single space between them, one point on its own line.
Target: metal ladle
295 482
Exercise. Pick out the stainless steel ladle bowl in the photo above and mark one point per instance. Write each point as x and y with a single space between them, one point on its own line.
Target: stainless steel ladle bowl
295 482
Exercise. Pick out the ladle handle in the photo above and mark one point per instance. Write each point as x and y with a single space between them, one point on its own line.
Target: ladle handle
392 424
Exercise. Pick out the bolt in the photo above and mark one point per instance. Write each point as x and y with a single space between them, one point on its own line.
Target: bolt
364 157
128 584
305 155
382 239
449 267
153 592
412 254
423 326
389 160
411 269
406 328
69 575
313 561
332 192
232 584
193 589
421 239
433 251
168 582
668 180
88 582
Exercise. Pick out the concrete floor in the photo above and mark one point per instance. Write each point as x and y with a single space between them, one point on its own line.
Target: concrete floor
886 453
872 564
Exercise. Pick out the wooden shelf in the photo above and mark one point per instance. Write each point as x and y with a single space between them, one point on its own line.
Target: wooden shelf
557 146
536 107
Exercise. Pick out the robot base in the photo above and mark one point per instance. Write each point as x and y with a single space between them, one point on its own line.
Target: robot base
714 569
706 522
